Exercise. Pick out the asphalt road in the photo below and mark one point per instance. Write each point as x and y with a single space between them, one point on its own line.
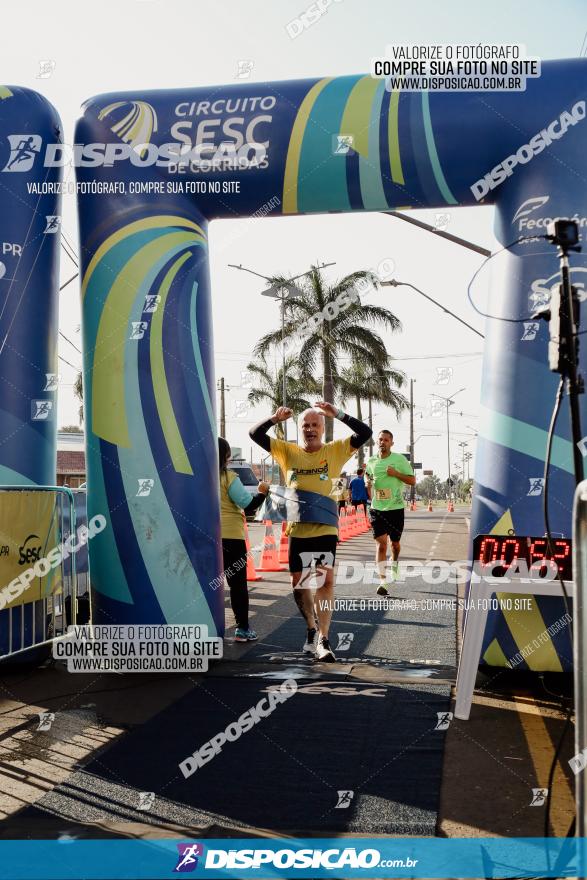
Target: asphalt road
491 763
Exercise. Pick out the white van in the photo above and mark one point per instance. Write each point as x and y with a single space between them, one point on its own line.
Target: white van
245 472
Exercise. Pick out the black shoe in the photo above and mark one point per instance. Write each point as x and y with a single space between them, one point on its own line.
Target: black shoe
324 652
382 590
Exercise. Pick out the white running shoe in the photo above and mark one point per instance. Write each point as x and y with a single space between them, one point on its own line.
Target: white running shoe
324 652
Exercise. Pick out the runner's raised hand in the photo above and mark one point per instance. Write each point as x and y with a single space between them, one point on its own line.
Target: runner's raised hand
281 414
327 408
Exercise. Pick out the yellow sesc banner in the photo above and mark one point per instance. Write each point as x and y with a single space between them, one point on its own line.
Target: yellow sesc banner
29 530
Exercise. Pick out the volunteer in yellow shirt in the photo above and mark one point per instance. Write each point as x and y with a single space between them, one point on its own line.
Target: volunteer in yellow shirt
234 501
313 467
341 491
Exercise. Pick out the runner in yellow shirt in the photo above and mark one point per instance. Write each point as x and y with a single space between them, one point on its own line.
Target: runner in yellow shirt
311 469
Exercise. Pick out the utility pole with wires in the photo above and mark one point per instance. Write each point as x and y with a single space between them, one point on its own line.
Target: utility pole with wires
468 457
463 444
222 388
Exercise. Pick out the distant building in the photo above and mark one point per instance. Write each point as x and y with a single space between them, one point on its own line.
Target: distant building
71 459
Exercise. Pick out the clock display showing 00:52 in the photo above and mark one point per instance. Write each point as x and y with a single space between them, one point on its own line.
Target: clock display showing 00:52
491 549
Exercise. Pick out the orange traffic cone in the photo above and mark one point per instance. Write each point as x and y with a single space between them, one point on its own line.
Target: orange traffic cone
269 559
283 556
360 521
251 573
350 520
413 505
363 521
354 521
343 532
429 507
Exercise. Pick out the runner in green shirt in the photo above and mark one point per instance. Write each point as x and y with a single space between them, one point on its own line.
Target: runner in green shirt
387 473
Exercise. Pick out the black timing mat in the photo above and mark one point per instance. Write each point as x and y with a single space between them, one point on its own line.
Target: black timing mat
377 741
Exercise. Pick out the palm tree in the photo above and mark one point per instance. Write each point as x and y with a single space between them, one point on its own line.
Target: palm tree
343 331
375 383
270 387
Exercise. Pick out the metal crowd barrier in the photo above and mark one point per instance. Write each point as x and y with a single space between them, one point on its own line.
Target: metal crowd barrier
30 623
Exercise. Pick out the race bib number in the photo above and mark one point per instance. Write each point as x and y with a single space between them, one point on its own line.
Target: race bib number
382 494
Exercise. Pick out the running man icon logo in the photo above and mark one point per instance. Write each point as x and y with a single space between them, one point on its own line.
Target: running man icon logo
444 719
241 408
345 640
342 144
536 485
531 329
23 151
538 299
188 857
152 301
145 486
344 799
443 376
436 408
311 578
53 224
138 329
578 762
46 719
442 220
244 68
146 800
46 68
52 381
41 410
539 796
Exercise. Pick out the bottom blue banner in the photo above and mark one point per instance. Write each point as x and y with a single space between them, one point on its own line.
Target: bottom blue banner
257 857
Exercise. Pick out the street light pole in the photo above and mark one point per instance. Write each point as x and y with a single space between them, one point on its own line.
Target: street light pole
449 484
395 283
222 388
449 402
283 378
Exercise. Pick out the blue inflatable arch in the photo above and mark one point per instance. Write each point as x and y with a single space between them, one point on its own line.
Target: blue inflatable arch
29 284
148 362
30 209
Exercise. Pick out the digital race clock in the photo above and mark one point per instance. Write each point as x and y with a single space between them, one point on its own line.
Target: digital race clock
490 550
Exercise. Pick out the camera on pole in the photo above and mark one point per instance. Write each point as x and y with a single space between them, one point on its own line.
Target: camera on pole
563 316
